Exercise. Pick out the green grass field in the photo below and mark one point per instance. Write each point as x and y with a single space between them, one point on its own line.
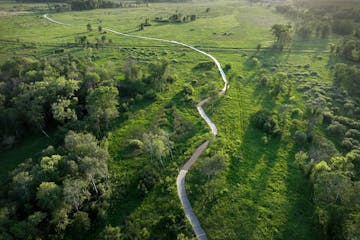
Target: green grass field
261 194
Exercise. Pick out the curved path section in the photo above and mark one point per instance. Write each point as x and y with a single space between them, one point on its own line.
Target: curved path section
180 181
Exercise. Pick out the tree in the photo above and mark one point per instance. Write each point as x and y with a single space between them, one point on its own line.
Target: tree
213 166
80 145
101 104
21 186
131 70
267 121
75 192
282 34
81 223
157 145
157 74
48 195
258 47
300 137
91 80
305 31
336 129
89 27
63 110
93 168
60 220
111 233
314 114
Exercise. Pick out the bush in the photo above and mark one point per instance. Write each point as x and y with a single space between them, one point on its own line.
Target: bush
264 81
205 66
253 62
336 129
267 121
188 90
150 94
227 67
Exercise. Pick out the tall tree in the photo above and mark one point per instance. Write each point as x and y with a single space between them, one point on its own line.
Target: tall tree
282 34
75 192
102 104
48 195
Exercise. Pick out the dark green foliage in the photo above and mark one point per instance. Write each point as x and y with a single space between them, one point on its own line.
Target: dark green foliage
282 34
111 233
300 137
343 27
348 77
101 104
45 90
64 191
206 66
267 121
305 31
77 5
349 144
336 129
349 49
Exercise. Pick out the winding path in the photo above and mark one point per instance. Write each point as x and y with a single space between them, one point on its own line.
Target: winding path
180 181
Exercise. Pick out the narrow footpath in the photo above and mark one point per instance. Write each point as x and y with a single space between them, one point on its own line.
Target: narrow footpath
180 181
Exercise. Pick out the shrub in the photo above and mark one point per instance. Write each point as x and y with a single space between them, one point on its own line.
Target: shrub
264 81
150 94
188 90
139 97
227 67
265 140
205 66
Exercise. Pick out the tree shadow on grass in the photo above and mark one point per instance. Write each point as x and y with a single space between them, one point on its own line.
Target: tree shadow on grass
301 213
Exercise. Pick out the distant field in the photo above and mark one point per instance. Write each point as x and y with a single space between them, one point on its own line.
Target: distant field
262 195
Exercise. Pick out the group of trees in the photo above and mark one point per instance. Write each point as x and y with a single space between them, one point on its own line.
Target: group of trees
77 5
331 159
339 19
62 192
348 77
349 49
176 18
142 83
37 93
336 191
